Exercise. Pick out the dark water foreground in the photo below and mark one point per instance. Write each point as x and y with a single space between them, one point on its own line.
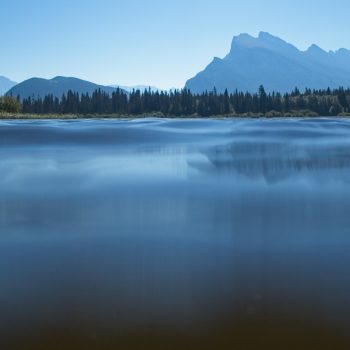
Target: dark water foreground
173 234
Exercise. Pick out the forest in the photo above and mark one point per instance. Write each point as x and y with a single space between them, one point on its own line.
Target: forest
328 102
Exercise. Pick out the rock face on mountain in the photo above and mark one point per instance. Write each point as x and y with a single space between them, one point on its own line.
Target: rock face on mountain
279 66
5 85
56 86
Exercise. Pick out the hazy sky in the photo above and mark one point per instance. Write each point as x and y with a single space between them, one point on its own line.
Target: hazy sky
156 42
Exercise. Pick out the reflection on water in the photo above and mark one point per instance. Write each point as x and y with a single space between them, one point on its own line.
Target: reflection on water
276 161
175 234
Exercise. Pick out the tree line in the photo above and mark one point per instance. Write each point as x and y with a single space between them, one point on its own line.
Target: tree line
9 104
325 102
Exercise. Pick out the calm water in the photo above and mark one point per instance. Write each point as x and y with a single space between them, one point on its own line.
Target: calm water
175 234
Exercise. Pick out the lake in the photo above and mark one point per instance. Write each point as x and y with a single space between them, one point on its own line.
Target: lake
175 234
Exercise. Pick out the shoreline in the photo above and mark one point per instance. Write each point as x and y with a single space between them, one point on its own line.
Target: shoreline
22 116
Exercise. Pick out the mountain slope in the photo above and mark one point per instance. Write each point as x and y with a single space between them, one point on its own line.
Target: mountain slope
5 85
56 86
279 66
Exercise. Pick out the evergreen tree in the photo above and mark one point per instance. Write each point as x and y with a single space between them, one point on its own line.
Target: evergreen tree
184 102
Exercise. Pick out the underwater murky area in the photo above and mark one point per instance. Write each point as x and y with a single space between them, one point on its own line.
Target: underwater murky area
175 234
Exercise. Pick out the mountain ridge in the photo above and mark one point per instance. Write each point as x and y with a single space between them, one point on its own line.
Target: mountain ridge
5 84
57 86
278 65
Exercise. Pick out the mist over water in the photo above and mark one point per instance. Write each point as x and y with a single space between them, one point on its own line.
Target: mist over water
187 233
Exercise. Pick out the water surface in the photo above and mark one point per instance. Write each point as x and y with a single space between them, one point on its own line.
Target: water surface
170 233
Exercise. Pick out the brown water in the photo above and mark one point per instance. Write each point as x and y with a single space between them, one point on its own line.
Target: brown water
175 234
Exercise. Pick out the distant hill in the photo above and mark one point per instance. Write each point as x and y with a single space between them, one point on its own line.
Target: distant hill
56 86
5 85
279 66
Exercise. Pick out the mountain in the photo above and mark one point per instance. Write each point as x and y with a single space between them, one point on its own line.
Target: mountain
56 86
5 85
279 66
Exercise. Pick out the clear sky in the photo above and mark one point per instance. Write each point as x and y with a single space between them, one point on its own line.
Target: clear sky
152 42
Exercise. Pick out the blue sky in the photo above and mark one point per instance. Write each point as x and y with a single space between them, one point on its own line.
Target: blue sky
155 42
